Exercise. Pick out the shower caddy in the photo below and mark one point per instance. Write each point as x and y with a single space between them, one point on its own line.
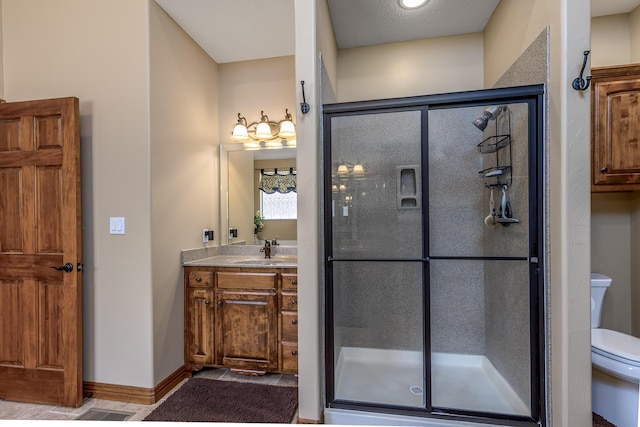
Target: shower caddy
501 174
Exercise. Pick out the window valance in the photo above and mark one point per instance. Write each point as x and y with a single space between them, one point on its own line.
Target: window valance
277 182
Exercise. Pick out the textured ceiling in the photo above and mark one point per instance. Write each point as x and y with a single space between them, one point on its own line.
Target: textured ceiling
240 30
371 22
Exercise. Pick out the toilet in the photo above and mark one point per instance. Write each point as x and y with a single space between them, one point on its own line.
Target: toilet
615 361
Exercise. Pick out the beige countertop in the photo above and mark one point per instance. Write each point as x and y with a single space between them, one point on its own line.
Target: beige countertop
245 261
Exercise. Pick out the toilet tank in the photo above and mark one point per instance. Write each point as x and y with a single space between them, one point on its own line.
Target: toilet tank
599 285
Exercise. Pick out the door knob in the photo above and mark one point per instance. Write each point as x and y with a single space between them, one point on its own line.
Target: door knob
68 267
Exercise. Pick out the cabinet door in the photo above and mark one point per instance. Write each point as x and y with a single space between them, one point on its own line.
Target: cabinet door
199 327
616 133
246 334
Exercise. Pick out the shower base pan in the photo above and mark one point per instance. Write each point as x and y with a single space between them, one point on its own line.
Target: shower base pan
464 382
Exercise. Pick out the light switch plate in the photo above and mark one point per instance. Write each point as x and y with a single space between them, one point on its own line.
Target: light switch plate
116 225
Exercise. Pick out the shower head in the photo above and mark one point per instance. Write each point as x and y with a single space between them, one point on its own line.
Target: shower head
491 113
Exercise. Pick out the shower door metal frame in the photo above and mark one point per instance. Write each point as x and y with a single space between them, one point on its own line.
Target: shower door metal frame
533 96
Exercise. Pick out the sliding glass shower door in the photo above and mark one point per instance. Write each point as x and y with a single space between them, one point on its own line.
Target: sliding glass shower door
376 235
433 252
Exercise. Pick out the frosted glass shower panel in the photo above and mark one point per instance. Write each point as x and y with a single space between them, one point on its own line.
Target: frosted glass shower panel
379 333
460 193
481 335
376 185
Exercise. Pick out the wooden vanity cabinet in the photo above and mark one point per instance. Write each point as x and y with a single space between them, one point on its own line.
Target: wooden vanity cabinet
198 309
246 334
615 128
244 319
289 324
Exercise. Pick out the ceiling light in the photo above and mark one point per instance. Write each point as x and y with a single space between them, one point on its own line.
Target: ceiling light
412 4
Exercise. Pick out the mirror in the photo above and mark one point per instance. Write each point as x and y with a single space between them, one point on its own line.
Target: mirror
240 197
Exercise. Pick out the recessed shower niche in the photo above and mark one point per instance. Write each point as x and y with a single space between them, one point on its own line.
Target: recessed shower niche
431 312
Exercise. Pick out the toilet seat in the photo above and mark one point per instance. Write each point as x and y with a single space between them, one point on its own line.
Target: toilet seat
616 353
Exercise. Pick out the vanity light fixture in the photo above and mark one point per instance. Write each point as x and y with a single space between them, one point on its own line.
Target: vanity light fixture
265 133
356 169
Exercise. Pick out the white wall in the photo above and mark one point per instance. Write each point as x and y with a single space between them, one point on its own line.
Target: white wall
184 173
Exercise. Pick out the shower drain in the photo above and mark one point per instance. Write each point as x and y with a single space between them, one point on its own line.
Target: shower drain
416 389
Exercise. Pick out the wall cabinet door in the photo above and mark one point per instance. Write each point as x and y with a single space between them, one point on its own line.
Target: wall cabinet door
615 128
199 328
246 330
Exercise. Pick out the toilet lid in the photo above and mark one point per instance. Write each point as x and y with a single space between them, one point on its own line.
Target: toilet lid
616 344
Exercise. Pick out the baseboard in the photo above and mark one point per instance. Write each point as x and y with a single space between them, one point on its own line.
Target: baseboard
129 394
305 421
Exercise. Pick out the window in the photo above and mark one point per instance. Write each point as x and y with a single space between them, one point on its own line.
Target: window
279 206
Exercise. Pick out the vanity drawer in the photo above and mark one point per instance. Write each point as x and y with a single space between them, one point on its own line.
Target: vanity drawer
200 278
289 301
289 353
289 281
289 326
228 280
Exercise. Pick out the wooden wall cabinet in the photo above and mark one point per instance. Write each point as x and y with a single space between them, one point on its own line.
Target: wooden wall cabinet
615 128
244 319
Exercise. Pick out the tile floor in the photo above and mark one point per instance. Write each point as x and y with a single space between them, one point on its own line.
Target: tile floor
30 411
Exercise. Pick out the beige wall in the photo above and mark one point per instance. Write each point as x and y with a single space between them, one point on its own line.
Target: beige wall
241 195
611 255
249 87
634 29
327 43
615 228
310 288
1 56
184 187
70 48
512 28
149 133
610 40
445 64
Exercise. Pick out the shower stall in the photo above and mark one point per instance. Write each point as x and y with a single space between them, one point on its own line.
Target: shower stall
433 248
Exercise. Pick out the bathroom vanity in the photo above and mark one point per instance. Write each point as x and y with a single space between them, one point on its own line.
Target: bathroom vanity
241 314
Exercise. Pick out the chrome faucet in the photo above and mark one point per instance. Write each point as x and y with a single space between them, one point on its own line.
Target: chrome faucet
266 249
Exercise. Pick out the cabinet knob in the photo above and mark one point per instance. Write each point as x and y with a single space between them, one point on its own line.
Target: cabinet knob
207 302
294 282
219 303
294 322
294 352
604 169
198 279
294 302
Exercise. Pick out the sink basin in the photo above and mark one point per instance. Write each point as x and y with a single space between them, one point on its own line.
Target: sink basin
268 261
259 261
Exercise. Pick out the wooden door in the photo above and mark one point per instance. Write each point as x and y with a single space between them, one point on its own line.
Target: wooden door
40 230
246 336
